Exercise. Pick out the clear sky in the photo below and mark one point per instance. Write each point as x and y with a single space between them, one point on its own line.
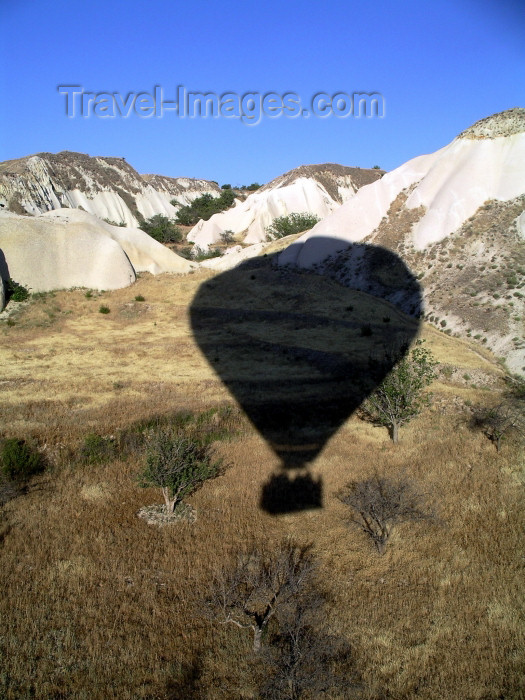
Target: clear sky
439 65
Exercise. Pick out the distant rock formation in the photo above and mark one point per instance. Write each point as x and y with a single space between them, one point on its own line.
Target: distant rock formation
109 188
317 189
457 218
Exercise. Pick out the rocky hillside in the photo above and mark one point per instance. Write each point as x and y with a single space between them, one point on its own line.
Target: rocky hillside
318 189
109 188
457 217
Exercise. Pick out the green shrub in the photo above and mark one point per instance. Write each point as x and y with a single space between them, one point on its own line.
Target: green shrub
205 207
16 292
199 254
139 297
288 225
19 460
162 229
104 310
97 449
227 236
122 224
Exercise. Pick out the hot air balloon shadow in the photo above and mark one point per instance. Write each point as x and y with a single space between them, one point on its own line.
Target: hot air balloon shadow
300 352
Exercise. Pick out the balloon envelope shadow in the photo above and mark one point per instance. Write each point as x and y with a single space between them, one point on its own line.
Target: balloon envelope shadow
300 352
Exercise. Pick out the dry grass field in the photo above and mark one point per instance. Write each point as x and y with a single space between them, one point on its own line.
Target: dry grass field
97 604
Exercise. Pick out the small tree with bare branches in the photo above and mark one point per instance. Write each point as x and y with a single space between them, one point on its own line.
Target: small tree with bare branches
378 504
303 658
258 584
501 421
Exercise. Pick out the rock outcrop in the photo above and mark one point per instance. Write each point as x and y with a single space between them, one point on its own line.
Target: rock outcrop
144 252
109 188
317 189
70 248
457 217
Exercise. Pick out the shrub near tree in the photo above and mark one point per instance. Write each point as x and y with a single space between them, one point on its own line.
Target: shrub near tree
401 395
500 421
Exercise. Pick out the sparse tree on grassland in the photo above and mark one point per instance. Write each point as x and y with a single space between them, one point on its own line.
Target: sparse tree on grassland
378 504
400 396
177 465
303 659
501 421
258 584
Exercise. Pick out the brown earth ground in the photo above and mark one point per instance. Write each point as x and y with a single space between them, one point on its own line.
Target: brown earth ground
96 604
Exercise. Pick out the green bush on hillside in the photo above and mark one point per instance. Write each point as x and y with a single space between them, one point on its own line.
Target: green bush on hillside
288 225
205 207
162 229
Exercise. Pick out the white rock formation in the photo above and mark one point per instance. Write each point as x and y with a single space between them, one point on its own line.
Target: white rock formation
317 189
234 256
485 162
70 248
457 217
109 188
44 254
144 252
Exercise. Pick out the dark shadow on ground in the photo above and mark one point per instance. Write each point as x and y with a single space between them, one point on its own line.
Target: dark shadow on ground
300 352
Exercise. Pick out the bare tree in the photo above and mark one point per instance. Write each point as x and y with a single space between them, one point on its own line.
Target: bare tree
500 421
379 503
302 658
259 583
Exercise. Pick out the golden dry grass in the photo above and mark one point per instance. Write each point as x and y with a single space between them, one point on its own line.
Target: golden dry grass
96 604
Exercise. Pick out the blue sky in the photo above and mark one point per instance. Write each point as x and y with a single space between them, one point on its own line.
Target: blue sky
439 66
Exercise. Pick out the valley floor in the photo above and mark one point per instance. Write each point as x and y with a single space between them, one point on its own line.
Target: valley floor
96 603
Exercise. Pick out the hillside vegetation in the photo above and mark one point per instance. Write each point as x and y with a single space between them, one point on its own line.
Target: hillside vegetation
97 603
